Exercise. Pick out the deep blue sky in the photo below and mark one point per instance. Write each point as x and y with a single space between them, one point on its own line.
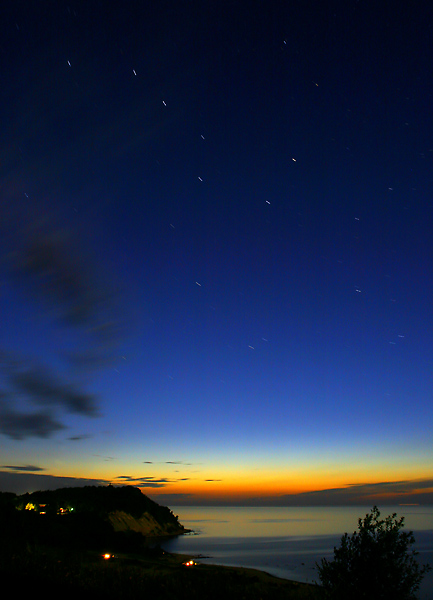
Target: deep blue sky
243 191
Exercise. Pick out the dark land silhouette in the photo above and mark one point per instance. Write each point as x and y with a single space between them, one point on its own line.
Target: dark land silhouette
54 543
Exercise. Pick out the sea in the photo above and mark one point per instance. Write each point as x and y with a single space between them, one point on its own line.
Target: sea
287 541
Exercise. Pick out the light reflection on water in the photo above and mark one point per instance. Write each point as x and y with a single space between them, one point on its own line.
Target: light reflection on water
291 521
287 541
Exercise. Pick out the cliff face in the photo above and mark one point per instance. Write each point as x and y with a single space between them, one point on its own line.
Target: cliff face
147 525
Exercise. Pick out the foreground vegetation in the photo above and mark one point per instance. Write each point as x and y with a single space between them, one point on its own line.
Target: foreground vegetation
377 561
59 573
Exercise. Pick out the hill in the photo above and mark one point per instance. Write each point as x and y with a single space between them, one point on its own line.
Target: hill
90 516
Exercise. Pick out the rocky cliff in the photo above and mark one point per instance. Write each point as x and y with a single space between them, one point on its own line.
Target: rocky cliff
147 525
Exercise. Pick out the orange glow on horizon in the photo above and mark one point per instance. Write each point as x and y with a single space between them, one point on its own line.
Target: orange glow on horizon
228 482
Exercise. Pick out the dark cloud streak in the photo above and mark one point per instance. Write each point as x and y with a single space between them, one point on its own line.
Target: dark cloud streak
52 271
27 468
150 481
170 462
42 388
20 482
19 425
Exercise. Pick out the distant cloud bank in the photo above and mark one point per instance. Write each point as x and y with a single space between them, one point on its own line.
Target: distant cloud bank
364 494
28 478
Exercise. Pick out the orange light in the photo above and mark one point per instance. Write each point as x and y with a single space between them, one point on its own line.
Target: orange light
189 563
107 556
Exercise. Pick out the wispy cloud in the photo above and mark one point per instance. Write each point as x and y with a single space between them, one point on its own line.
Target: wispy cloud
47 265
19 468
20 482
106 458
170 462
20 425
44 389
150 481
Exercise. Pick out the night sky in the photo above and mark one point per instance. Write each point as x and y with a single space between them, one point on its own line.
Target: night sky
216 249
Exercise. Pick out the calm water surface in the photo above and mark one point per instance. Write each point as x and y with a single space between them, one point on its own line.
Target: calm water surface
287 541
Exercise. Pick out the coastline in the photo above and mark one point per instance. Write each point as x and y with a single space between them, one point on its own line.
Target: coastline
154 573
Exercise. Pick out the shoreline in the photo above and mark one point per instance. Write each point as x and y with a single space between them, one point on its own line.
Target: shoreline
262 577
156 573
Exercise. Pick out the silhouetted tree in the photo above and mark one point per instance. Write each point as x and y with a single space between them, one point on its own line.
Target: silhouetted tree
376 562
